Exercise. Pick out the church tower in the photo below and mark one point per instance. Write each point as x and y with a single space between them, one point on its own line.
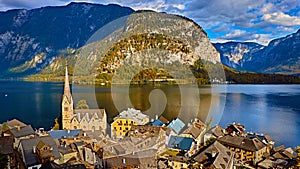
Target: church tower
67 104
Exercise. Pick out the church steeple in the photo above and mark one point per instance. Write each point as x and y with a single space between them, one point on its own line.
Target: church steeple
67 90
67 103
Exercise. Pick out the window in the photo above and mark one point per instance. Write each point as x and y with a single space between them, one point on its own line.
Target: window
120 128
66 109
75 127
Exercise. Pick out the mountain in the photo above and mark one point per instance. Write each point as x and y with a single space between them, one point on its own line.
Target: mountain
280 56
30 39
159 43
234 54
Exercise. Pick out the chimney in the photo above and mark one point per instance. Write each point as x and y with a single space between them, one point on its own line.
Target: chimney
213 154
18 128
34 149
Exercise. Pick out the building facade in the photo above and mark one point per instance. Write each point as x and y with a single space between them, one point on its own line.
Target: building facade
85 119
123 122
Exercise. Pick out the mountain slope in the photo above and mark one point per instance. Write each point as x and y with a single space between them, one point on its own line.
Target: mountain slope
281 56
234 54
24 34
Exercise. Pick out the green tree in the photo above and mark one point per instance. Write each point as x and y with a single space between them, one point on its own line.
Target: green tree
3 161
297 149
82 104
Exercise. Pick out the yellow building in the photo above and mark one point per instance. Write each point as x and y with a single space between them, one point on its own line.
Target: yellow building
178 162
246 150
123 122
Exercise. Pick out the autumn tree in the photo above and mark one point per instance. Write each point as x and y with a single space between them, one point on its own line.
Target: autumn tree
82 104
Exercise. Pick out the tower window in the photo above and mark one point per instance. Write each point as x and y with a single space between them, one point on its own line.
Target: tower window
66 109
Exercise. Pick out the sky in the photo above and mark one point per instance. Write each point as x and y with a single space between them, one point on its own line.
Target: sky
224 20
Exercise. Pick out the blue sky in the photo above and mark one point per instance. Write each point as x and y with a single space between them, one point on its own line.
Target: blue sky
223 20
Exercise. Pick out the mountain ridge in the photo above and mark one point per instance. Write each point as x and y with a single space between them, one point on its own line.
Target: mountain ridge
280 56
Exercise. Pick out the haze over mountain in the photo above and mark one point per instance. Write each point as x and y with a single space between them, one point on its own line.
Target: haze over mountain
281 55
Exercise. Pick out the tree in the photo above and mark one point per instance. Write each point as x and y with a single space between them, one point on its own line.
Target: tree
56 125
82 104
3 161
297 149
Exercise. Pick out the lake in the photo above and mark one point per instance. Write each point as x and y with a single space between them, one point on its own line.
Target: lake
269 109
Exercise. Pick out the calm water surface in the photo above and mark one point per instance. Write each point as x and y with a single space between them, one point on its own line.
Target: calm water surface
271 109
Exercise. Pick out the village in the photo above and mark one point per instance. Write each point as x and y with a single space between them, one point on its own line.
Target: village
133 140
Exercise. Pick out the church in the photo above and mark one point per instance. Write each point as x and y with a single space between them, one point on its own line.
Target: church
85 119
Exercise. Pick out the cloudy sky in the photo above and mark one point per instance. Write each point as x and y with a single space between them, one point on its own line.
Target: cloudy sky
224 20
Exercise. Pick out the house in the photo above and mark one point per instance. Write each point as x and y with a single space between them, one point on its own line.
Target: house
177 125
196 131
123 122
178 162
214 156
246 150
235 129
214 133
66 153
266 139
6 149
20 132
38 150
89 155
280 157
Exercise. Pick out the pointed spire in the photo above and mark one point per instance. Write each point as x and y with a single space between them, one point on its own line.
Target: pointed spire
67 90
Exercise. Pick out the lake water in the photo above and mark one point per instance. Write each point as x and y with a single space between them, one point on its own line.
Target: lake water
270 109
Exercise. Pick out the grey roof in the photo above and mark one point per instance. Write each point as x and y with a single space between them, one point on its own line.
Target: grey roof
64 133
216 131
215 155
137 159
6 145
14 123
28 144
243 142
195 129
24 131
88 114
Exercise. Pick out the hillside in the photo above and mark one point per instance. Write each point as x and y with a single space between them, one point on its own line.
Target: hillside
280 56
31 39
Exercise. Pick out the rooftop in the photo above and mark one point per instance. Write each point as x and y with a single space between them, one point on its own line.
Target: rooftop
15 123
135 115
177 125
182 143
22 131
28 146
216 156
242 142
64 133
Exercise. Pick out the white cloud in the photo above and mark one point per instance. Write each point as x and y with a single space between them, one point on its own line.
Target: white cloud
280 18
235 34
